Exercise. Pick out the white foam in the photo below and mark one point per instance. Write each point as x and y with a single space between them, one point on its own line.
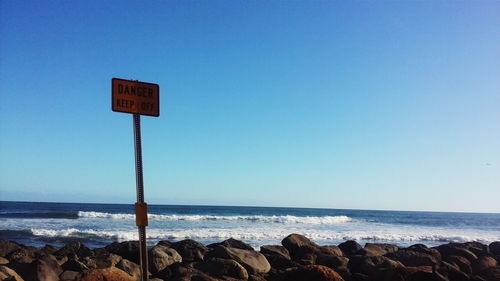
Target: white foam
263 219
259 236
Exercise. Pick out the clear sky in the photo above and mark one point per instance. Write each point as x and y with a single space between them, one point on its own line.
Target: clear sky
366 105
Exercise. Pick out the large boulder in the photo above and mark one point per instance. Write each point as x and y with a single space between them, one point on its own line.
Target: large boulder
294 241
128 250
483 263
9 274
190 250
23 255
456 249
460 262
312 273
490 274
412 258
451 272
223 267
275 250
232 243
370 265
44 268
102 258
421 248
375 249
74 249
350 247
331 250
106 274
161 256
130 268
7 247
70 275
495 248
254 262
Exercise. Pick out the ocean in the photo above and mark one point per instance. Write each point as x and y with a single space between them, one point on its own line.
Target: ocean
96 225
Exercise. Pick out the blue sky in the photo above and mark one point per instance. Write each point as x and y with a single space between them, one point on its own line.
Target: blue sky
366 105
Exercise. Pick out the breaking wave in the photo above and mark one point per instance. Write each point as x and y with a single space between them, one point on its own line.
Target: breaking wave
262 219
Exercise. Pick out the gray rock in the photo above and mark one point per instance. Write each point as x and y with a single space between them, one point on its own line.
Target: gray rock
223 267
412 258
254 262
161 256
190 250
350 247
294 241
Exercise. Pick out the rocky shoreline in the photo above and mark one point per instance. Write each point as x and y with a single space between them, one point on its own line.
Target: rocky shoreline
297 259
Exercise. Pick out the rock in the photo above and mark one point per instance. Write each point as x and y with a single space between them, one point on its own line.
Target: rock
333 262
370 265
271 250
48 250
23 255
312 273
102 258
3 260
477 248
494 247
44 268
161 256
69 275
294 241
350 247
7 247
106 274
331 250
483 263
305 255
490 274
462 263
426 250
8 274
426 276
128 250
223 267
412 258
359 277
74 249
377 249
451 272
190 250
456 249
391 274
74 265
130 268
256 278
232 243
254 262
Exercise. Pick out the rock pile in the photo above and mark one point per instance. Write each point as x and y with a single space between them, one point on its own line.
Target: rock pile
297 259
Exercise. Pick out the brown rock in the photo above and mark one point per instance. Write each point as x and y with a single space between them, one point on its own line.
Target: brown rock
494 247
490 274
462 263
69 275
377 249
161 256
106 274
456 249
103 259
483 263
223 267
130 268
190 250
350 247
9 274
254 262
128 250
232 243
312 273
412 258
3 260
74 249
451 272
294 241
275 250
7 247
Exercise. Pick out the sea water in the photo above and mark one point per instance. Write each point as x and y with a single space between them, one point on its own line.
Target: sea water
96 225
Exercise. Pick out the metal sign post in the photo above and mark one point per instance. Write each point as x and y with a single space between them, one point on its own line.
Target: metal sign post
138 98
141 208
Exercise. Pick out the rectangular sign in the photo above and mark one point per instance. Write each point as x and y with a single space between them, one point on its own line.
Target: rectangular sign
135 97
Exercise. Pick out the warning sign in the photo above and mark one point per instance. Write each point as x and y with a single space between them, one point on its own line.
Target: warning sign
135 97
